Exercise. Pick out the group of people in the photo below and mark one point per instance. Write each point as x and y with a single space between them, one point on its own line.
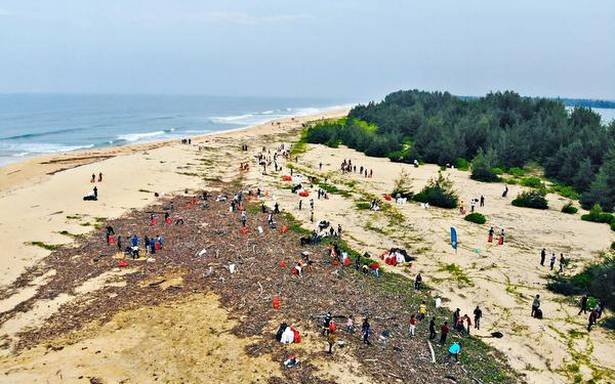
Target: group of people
132 248
347 167
473 202
491 234
94 195
552 260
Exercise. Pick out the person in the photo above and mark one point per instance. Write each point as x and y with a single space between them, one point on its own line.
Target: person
478 313
350 325
535 305
505 191
583 304
432 329
366 330
109 231
93 179
482 200
417 281
320 166
562 262
119 243
456 316
276 208
300 203
412 325
468 323
472 205
444 330
543 256
454 351
99 177
422 310
593 318
244 218
326 322
312 216
331 341
339 231
501 238
263 208
96 192
490 236
312 204
553 258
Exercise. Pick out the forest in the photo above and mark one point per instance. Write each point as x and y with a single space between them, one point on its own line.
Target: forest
500 131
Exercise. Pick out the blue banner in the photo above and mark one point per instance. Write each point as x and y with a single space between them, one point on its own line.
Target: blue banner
454 238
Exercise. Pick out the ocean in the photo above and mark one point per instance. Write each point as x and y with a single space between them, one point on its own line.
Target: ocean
33 124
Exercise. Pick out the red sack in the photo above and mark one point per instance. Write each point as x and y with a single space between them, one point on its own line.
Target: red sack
157 246
284 229
374 265
304 193
282 264
387 197
111 239
153 222
286 178
276 302
122 263
244 230
168 220
296 335
347 261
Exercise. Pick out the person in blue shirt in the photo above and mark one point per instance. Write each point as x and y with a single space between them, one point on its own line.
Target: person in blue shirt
134 241
454 350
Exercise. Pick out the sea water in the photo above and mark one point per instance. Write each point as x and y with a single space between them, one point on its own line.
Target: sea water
32 124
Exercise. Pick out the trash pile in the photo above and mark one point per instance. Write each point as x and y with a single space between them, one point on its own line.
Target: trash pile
251 271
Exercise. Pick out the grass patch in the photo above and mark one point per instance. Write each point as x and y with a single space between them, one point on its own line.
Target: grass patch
457 274
476 217
49 247
300 146
363 204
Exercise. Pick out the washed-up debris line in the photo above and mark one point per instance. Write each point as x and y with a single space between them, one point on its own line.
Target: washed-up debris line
201 251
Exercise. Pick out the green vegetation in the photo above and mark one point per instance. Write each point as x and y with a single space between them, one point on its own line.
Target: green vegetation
575 148
438 192
49 247
597 215
569 208
532 182
476 217
457 274
301 145
483 167
363 204
597 280
534 198
403 185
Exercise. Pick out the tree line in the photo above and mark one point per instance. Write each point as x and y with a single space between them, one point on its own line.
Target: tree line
500 130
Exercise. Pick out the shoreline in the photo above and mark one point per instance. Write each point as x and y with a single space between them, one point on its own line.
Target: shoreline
16 174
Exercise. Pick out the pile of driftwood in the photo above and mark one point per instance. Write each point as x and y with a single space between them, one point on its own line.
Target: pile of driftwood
246 269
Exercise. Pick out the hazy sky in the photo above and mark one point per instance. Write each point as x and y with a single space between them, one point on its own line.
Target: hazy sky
354 49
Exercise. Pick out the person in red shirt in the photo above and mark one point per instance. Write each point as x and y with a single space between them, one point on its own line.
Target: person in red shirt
444 330
412 326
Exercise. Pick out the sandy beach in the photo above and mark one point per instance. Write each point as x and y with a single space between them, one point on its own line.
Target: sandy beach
42 206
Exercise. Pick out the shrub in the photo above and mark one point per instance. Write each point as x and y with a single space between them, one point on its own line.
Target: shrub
569 208
476 217
462 164
613 245
517 172
598 280
565 191
531 199
363 204
532 181
482 166
612 225
403 185
438 192
597 215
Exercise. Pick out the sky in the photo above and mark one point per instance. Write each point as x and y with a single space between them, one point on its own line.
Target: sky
318 48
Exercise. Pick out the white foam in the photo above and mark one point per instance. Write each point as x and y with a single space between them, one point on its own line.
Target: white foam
132 137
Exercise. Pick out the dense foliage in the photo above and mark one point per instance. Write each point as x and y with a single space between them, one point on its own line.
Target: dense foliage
476 217
597 280
500 130
569 208
534 198
438 192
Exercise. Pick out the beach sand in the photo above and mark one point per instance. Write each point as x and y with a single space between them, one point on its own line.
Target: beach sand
41 201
